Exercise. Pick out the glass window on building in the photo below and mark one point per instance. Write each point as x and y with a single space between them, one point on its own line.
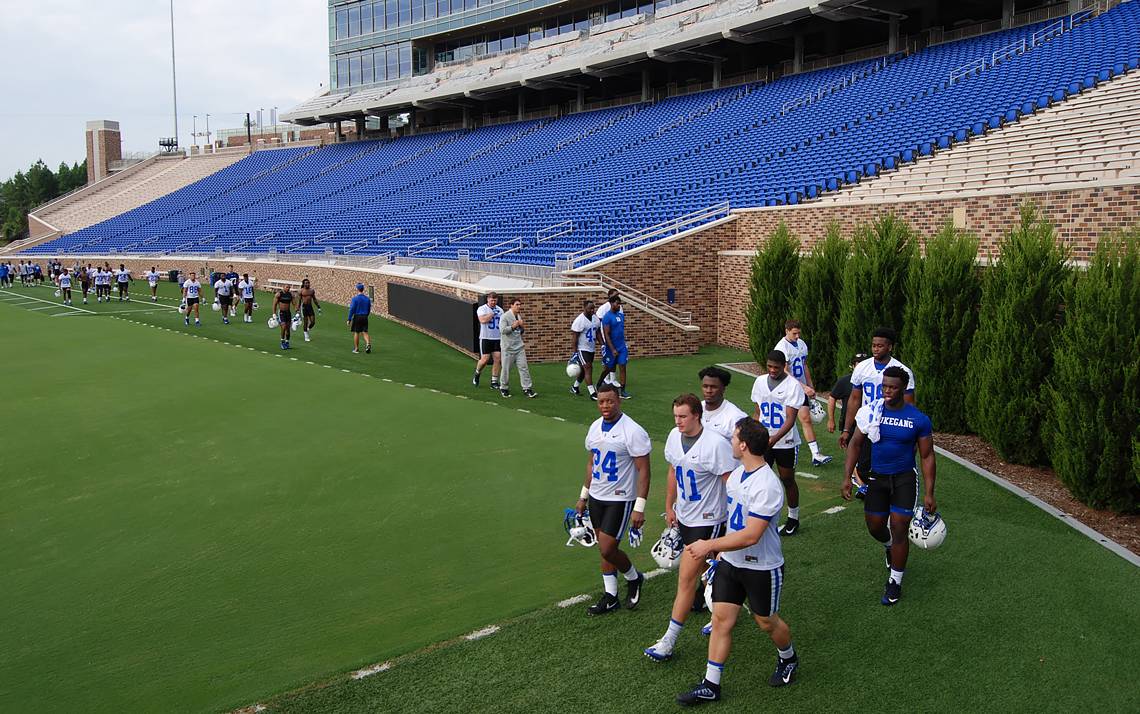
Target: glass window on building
429 10
367 76
392 13
405 59
417 10
405 12
494 45
353 21
342 72
420 62
342 24
444 7
354 71
378 65
366 18
378 16
470 4
393 62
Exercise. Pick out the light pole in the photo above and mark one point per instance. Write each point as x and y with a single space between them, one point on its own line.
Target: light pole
173 74
194 133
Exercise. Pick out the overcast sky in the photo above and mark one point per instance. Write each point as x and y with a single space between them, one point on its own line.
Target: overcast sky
64 62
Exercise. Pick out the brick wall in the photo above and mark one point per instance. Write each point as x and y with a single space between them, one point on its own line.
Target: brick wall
549 311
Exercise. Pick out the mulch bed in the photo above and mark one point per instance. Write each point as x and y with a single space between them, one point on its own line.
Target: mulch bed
1042 483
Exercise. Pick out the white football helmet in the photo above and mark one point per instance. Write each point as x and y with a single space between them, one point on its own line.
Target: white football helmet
927 530
57 293
254 304
296 323
818 412
217 306
573 370
182 308
273 323
668 548
579 528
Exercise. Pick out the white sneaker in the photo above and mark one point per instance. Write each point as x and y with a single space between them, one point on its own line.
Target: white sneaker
306 337
820 460
661 651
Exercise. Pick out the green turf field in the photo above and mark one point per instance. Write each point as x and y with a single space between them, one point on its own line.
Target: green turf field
193 525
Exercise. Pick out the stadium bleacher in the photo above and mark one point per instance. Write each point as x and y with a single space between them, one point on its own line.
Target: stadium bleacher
530 192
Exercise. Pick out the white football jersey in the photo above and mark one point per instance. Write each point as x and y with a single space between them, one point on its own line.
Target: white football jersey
223 287
867 378
152 278
65 281
755 495
587 329
771 402
490 330
246 288
797 353
124 276
723 420
698 471
614 447
192 288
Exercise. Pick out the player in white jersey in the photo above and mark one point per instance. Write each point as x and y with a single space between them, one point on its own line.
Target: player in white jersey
64 283
719 414
584 333
751 564
489 315
152 279
615 490
694 504
778 397
224 294
245 291
867 386
796 350
192 296
123 278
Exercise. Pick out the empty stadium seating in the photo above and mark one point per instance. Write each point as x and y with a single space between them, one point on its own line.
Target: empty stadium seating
530 192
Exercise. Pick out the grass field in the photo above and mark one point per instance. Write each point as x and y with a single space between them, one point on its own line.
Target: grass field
201 524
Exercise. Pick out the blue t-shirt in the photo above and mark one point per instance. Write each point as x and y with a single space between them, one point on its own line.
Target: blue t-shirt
616 322
360 305
899 432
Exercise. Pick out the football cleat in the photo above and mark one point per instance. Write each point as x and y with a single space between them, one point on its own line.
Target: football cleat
821 460
579 528
790 528
626 395
633 595
818 413
706 691
608 603
506 393
892 593
785 672
635 537
927 530
707 629
660 652
668 548
475 379
530 393
575 390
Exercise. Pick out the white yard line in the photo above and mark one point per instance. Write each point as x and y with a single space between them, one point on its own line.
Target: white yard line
53 303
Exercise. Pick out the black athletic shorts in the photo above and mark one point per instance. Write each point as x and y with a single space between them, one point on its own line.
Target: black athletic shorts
360 323
123 286
692 534
782 457
610 517
248 301
890 493
585 357
307 310
191 301
864 463
762 587
284 317
225 300
487 347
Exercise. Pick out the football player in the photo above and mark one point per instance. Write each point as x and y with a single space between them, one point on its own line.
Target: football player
583 341
778 398
751 564
123 278
894 432
694 504
489 315
796 350
224 294
719 414
615 352
615 490
152 280
192 296
308 302
245 288
283 307
64 282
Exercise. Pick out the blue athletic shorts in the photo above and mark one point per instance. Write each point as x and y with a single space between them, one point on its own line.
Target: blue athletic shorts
612 357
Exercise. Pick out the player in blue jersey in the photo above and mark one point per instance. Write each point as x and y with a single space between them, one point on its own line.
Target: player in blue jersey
895 429
615 353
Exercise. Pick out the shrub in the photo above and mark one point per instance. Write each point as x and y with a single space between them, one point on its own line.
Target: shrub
943 290
874 285
1012 352
817 304
771 287
1094 390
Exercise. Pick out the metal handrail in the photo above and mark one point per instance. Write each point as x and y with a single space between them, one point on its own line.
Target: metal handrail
423 246
560 229
461 233
661 230
492 252
389 235
1015 48
967 69
632 296
296 244
324 236
353 247
264 237
1050 30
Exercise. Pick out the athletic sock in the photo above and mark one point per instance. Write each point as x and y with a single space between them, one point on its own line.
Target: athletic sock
814 448
713 670
673 631
788 653
794 512
609 582
591 389
897 575
577 383
631 574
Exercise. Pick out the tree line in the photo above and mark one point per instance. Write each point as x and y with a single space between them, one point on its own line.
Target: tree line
1039 358
31 188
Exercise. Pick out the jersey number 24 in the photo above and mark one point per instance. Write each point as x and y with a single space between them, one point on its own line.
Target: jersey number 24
607 463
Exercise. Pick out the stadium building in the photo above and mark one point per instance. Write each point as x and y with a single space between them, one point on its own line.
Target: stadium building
562 148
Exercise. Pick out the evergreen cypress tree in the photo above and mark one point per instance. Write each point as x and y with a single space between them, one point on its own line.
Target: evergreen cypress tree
943 292
817 303
1094 390
1012 352
874 286
772 285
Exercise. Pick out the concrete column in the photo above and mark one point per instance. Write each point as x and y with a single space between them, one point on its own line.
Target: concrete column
360 127
893 35
581 99
412 122
466 117
798 56
337 132
522 106
104 146
1007 12
645 88
717 66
